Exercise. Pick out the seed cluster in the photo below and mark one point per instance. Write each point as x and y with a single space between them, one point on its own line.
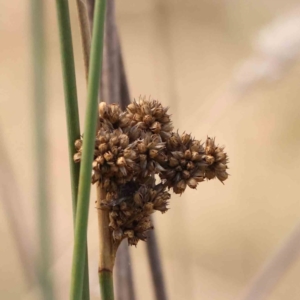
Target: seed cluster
136 148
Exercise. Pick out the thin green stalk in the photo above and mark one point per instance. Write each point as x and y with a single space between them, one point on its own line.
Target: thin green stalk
87 154
72 114
41 153
106 283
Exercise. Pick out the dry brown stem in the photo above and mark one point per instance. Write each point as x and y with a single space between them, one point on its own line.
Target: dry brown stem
107 247
85 30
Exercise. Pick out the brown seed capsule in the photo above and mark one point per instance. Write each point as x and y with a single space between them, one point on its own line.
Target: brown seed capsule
121 162
185 138
173 162
148 208
183 162
129 153
220 167
108 156
173 141
188 154
222 176
153 153
142 147
100 160
156 127
117 234
102 109
210 146
180 187
114 140
103 147
196 146
78 144
165 119
123 205
209 174
190 165
186 174
158 112
95 176
95 165
220 156
77 157
209 159
138 198
124 140
102 139
148 120
129 233
106 183
113 168
131 107
137 117
114 150
192 183
196 156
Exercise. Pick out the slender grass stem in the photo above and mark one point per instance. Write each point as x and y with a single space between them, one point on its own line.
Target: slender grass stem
87 154
72 114
40 117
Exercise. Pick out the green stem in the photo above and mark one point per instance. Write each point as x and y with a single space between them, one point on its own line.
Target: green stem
40 117
72 114
106 284
87 153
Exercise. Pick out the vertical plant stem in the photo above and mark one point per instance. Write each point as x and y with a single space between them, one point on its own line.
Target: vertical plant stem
40 117
72 114
107 250
87 154
156 266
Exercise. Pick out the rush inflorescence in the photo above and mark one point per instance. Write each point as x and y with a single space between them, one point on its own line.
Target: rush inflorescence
138 157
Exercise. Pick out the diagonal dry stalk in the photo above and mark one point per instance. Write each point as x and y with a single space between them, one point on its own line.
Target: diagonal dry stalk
274 268
11 197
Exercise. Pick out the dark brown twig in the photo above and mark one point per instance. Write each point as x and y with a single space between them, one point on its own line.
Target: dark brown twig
156 265
114 90
124 279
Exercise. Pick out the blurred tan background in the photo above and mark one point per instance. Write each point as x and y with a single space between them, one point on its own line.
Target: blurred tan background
228 69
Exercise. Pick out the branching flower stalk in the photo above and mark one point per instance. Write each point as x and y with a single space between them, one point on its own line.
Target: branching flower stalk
137 157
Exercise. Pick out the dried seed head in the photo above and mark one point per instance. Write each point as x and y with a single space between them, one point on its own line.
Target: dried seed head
131 147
